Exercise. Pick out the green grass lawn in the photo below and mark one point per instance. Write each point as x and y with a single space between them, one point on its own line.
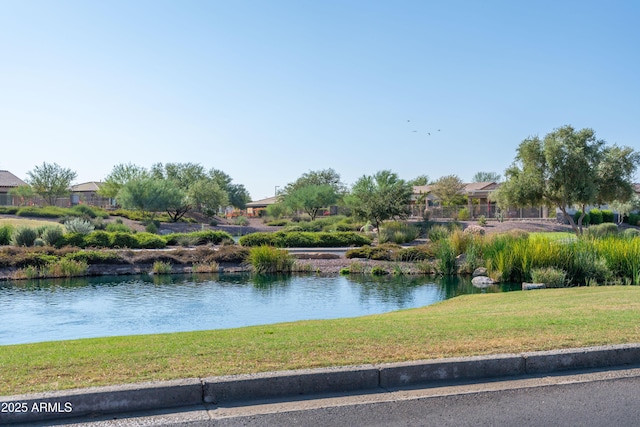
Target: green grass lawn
463 326
21 222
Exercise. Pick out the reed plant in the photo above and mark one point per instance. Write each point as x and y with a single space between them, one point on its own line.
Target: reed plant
267 259
445 258
206 267
161 267
65 267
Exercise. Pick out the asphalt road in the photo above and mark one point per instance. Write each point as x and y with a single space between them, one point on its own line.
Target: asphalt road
595 398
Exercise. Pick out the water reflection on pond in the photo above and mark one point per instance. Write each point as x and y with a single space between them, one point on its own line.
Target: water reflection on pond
45 310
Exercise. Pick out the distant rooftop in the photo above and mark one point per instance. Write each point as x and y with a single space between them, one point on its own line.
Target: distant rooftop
7 179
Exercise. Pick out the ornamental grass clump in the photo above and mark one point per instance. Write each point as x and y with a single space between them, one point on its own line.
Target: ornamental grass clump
445 258
267 259
161 267
24 236
78 225
398 232
552 277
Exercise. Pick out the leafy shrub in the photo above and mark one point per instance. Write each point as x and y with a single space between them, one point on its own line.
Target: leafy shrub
39 242
304 239
123 240
602 230
96 257
277 223
6 231
378 271
585 221
463 214
459 241
151 227
51 234
241 220
161 267
550 276
438 232
9 210
607 215
117 227
97 239
23 236
595 216
634 219
200 237
78 225
631 233
149 241
398 232
267 259
88 211
475 230
71 239
45 212
384 252
482 221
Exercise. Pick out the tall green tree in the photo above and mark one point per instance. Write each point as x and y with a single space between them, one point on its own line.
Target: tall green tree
207 196
380 197
182 176
150 195
420 180
486 177
449 190
311 198
51 181
119 176
237 194
569 168
321 177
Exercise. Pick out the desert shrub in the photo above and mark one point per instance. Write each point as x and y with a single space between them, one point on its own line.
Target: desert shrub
88 211
9 210
161 267
6 231
438 232
398 232
631 232
241 220
463 214
425 267
585 221
23 236
595 216
607 215
151 227
97 239
304 239
475 230
117 227
482 221
51 234
78 225
71 239
602 230
199 238
277 223
96 257
123 240
149 241
39 242
445 258
267 259
347 225
550 276
45 212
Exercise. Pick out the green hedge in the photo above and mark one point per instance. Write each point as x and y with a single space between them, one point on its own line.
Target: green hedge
302 239
200 237
595 216
607 215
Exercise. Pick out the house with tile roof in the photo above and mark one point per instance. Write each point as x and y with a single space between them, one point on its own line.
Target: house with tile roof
8 181
87 194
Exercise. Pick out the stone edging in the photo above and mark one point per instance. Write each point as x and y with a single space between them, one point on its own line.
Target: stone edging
190 392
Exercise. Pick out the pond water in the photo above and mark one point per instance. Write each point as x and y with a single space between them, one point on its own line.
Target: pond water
48 310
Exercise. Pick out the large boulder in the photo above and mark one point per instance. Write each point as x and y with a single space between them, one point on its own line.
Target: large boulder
482 282
480 271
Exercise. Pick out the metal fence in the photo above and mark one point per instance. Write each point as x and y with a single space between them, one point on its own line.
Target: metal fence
477 210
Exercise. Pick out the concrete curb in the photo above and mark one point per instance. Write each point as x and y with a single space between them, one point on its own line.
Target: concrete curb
191 392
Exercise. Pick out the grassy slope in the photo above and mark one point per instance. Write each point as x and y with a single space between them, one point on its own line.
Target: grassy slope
21 222
466 325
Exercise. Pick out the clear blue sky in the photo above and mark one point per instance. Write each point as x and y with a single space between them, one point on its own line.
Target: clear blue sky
268 90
